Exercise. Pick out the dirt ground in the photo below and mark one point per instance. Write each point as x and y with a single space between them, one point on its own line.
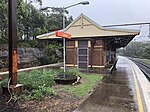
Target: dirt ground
61 103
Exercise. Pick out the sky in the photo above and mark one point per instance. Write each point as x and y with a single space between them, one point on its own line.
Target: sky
106 12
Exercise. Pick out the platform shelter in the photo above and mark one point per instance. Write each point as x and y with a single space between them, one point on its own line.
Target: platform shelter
91 45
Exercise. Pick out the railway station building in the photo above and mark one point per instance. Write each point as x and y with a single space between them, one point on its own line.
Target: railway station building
91 45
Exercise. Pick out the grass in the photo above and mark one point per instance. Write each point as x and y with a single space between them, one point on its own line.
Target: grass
88 81
40 83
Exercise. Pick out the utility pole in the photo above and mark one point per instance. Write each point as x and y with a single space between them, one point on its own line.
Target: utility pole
12 17
12 31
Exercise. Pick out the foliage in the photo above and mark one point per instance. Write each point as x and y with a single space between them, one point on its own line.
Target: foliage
36 79
31 1
136 49
55 19
3 83
50 55
30 43
87 83
37 83
31 21
147 61
40 83
3 19
3 40
70 71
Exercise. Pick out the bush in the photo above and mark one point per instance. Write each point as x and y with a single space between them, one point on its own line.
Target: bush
30 43
49 54
70 71
3 41
37 83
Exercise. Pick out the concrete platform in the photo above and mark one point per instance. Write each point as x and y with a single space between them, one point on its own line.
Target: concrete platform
126 90
143 85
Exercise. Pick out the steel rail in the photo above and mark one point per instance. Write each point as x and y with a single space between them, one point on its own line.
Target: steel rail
143 67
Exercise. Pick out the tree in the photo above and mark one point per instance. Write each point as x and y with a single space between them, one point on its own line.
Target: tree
55 19
3 18
136 49
30 1
31 21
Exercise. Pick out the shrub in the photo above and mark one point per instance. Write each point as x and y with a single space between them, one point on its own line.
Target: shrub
37 83
70 71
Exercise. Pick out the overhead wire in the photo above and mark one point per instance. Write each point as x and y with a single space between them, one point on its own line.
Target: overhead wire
127 24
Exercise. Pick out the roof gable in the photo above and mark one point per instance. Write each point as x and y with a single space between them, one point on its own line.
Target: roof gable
83 26
82 21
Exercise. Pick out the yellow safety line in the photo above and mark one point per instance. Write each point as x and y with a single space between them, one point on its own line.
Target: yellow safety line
140 105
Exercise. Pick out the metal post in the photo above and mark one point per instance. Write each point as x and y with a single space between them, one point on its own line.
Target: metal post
149 31
64 43
12 41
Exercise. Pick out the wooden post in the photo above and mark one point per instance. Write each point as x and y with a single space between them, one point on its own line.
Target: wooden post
12 30
12 17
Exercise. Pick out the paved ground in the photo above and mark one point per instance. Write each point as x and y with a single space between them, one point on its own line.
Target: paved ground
118 93
144 87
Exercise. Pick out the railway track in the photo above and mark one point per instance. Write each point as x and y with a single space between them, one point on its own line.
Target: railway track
145 68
